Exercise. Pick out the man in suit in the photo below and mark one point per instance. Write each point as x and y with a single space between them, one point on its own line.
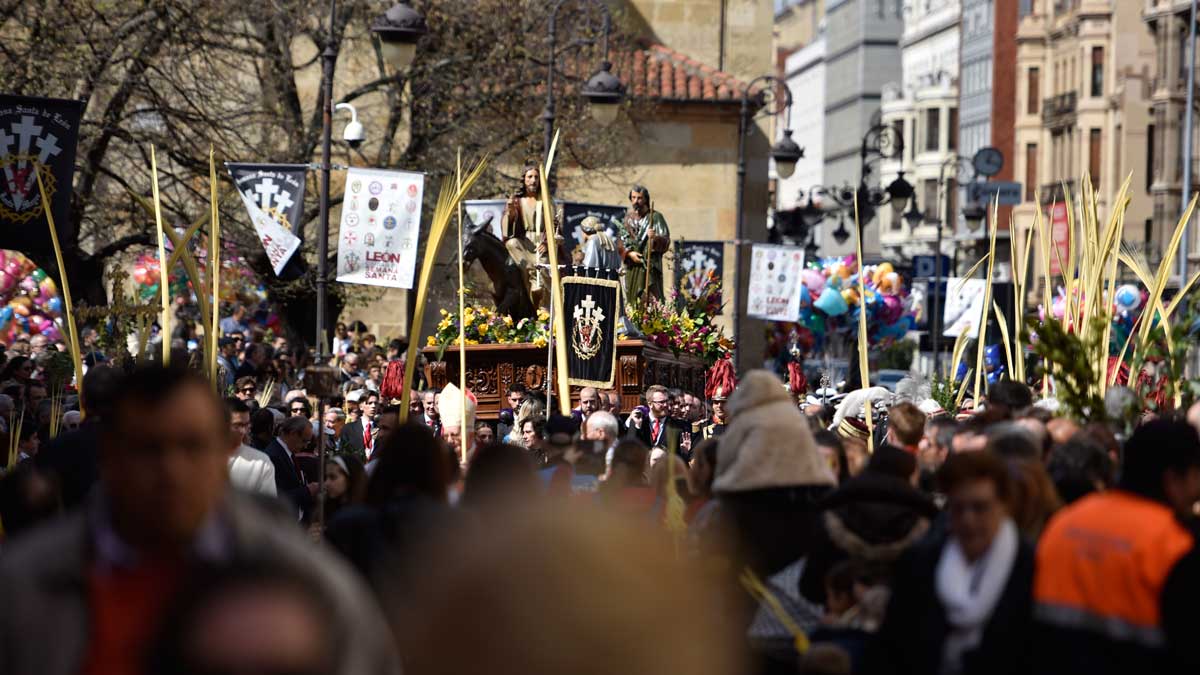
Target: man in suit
358 437
295 433
659 430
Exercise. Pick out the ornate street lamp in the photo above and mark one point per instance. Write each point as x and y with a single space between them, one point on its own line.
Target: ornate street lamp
399 29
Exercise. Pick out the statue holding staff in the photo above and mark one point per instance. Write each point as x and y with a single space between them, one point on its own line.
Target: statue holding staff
645 238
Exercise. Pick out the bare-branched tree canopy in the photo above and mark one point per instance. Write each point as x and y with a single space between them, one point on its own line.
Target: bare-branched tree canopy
244 77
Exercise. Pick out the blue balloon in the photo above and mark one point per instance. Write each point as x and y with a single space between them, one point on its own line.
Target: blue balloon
805 296
55 305
6 315
831 302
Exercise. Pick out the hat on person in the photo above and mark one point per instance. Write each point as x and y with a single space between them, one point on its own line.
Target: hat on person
930 407
768 442
722 380
226 342
451 408
852 427
591 225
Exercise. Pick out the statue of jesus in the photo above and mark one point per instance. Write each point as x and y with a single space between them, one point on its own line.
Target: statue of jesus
645 237
525 233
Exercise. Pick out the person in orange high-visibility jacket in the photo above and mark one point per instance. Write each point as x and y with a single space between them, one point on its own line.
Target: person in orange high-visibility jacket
1117 579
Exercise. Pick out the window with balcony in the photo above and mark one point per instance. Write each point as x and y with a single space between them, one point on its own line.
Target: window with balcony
1033 93
933 126
1097 71
1031 177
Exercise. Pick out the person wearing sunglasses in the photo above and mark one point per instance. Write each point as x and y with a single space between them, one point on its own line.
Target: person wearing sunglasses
300 407
961 599
245 388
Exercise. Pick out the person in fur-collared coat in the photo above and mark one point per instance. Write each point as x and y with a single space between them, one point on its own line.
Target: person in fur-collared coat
873 518
769 476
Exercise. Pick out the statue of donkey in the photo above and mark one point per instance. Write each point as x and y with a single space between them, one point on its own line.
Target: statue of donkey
510 289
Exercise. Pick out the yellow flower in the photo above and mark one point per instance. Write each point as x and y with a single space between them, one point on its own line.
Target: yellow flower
542 314
539 341
445 313
430 341
472 341
508 320
483 329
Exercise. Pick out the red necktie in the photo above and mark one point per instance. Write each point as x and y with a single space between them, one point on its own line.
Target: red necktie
654 434
367 438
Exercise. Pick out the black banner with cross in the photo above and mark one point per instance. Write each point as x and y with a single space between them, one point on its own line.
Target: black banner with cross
590 300
697 265
274 192
37 137
574 213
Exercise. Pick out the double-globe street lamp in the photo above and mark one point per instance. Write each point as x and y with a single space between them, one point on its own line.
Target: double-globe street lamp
881 142
761 97
398 31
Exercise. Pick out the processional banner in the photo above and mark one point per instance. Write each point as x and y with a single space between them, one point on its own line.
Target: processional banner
273 195
37 137
381 224
698 264
774 292
591 300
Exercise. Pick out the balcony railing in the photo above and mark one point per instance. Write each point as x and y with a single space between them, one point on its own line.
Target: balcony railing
1058 108
1053 192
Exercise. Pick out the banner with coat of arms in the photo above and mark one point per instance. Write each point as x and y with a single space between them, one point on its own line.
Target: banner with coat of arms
381 223
273 195
37 137
774 292
698 264
591 300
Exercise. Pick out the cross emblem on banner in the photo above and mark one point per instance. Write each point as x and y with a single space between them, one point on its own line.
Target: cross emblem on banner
587 309
700 260
266 190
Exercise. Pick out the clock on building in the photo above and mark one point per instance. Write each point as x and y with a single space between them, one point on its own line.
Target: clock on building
988 162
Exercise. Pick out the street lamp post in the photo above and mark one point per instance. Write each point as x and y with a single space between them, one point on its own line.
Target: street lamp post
603 91
880 142
765 92
398 31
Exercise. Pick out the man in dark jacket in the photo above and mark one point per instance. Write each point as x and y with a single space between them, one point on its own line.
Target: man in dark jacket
358 437
73 456
873 518
295 433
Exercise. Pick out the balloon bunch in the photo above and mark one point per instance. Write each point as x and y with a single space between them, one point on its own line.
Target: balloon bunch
830 302
1129 302
29 300
240 286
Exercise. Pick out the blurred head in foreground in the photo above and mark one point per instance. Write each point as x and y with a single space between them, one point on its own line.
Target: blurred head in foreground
570 591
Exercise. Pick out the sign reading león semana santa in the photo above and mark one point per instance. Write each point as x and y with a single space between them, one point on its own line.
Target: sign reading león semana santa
775 282
381 223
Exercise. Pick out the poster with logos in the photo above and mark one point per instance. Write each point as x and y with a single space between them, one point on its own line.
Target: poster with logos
380 228
774 292
964 307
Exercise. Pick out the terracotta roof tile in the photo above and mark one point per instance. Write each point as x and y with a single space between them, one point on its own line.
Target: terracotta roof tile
663 74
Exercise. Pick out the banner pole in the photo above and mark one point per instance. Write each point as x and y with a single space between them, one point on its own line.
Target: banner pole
163 272
462 326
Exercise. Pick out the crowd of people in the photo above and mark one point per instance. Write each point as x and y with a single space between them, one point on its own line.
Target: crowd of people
748 528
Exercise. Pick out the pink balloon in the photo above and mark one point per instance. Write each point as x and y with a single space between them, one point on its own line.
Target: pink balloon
813 280
891 310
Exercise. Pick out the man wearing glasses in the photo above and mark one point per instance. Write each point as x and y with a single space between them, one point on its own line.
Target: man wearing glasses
245 388
660 430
